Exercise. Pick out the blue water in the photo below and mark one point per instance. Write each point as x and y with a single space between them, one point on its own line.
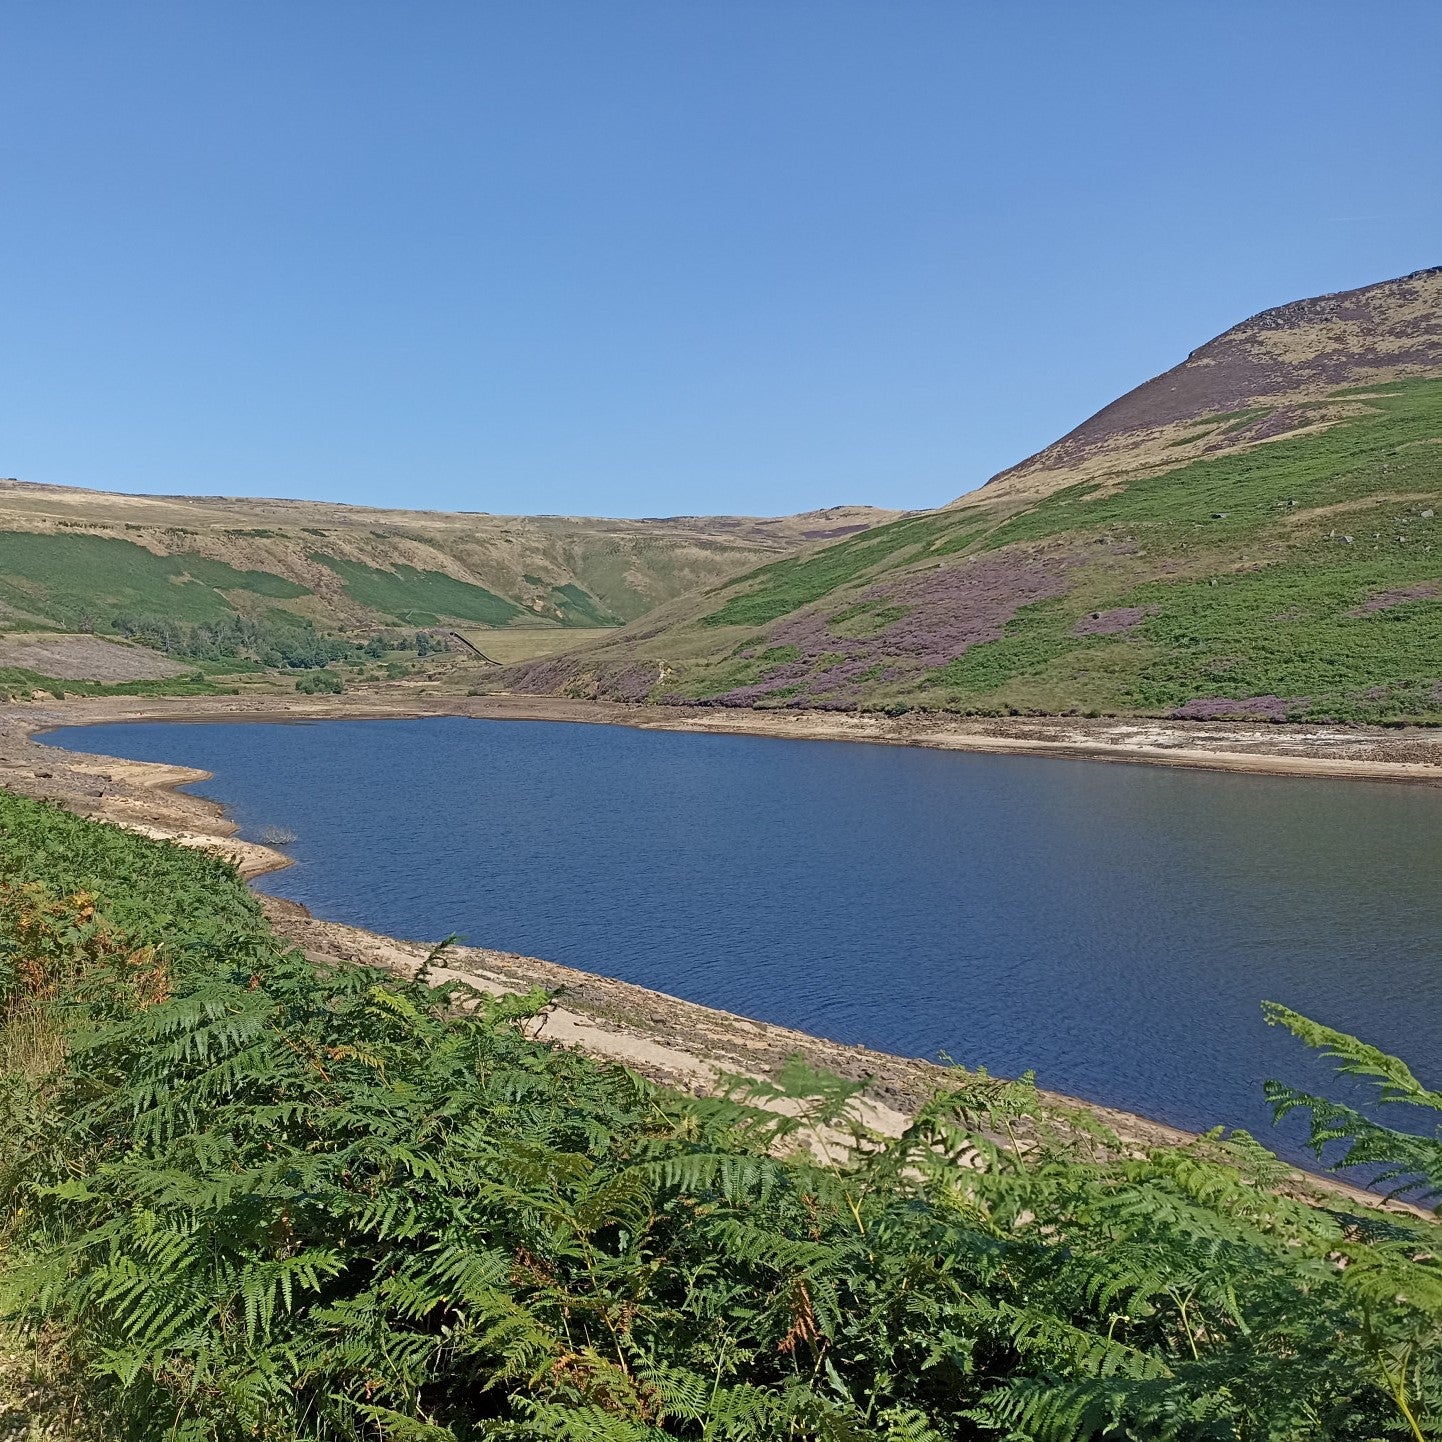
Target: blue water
1114 927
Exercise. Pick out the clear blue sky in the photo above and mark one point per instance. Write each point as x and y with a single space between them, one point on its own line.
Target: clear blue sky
642 257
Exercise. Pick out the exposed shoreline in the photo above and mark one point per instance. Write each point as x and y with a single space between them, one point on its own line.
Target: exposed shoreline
676 1041
1404 754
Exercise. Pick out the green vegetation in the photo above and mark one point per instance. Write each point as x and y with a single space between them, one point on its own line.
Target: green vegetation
18 681
246 1198
278 639
738 669
578 608
866 618
1294 631
1228 501
1298 579
1271 594
420 598
80 581
777 589
320 683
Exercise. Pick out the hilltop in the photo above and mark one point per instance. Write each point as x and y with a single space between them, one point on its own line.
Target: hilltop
1253 534
1288 362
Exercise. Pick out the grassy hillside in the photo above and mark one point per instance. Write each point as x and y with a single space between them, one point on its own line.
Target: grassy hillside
236 586
71 558
1282 560
246 1198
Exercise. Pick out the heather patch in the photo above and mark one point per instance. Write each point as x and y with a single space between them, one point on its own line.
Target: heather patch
783 587
1115 622
634 681
913 624
951 610
1249 708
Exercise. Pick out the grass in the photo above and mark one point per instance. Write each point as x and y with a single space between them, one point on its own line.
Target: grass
775 590
1264 599
420 598
17 681
1284 630
736 671
1250 568
1288 631
866 618
1354 460
67 578
579 608
525 643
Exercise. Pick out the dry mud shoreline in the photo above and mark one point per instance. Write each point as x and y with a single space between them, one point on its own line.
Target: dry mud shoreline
661 1036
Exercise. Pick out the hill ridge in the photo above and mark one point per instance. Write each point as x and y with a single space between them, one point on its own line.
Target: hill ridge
1389 330
1253 534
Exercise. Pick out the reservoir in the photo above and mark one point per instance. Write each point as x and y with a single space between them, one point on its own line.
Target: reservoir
1113 927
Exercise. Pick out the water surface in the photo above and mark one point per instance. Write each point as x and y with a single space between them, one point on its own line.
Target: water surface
1114 927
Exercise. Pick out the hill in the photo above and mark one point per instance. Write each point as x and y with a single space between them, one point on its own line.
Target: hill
63 550
289 573
1256 533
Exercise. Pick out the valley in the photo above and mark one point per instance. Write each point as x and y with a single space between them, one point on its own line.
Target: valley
721 724
1253 536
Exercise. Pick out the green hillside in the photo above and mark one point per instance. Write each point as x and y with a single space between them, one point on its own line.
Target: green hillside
303 584
71 556
1278 561
420 598
81 582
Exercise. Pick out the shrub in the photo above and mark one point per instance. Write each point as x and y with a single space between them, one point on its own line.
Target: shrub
316 683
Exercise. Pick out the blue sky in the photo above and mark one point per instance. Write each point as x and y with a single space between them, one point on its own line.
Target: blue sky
645 257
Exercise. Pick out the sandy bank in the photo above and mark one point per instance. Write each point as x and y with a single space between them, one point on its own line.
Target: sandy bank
1408 754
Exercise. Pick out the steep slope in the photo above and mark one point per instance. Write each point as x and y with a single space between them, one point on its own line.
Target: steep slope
77 558
1269 376
1255 533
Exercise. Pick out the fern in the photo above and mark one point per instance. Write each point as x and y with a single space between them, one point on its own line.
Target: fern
262 1199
